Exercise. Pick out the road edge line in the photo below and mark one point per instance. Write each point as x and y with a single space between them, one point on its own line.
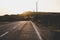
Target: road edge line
36 31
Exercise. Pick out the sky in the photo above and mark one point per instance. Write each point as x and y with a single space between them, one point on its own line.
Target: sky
19 6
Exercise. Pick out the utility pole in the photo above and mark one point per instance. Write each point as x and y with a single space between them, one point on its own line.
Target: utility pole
36 6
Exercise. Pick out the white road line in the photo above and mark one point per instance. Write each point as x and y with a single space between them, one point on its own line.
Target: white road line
4 34
15 27
37 31
8 31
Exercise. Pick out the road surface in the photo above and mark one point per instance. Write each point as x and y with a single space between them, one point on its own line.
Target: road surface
22 30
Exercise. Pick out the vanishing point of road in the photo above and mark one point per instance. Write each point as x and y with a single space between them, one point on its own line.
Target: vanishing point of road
21 30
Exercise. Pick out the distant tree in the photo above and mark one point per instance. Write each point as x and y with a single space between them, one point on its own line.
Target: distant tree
6 15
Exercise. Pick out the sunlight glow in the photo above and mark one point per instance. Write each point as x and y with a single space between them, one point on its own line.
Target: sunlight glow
18 6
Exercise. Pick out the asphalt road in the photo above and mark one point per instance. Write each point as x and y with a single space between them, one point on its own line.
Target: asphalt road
22 30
